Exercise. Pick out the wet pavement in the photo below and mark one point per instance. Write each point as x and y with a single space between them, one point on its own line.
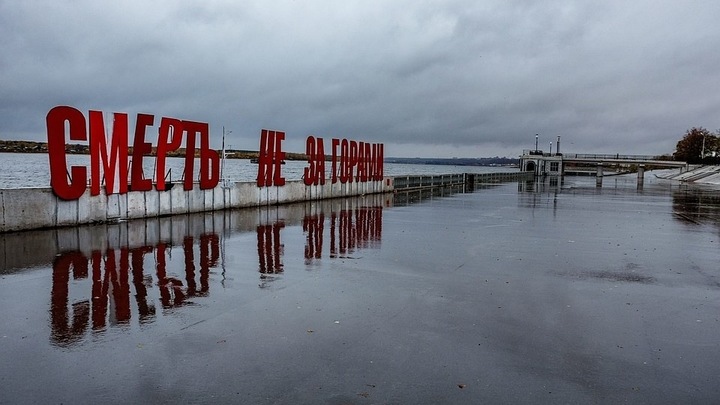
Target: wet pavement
515 293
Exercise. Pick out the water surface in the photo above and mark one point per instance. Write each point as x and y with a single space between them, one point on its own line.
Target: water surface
532 292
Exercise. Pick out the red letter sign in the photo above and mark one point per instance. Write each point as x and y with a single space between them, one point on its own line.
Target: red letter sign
118 153
164 146
270 159
55 121
141 148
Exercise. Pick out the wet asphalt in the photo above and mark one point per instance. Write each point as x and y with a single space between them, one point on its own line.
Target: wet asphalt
548 292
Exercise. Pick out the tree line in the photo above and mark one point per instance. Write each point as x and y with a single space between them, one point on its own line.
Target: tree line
699 146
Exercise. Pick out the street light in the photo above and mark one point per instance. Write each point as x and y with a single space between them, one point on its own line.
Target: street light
222 162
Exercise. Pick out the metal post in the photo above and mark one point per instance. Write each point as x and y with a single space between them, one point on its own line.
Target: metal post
599 175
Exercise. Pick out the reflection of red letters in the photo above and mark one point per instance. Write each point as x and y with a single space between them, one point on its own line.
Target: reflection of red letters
350 230
313 225
146 310
170 288
209 255
99 301
269 248
333 243
189 265
270 158
64 334
110 284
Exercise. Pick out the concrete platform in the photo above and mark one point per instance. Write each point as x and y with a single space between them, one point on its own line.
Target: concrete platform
516 293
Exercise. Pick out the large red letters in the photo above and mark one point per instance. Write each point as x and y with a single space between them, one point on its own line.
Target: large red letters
73 187
351 161
314 174
70 185
270 159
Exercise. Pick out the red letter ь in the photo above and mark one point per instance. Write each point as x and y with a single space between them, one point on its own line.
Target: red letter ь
209 159
74 187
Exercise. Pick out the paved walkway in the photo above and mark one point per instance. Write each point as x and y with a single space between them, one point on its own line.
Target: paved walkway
516 293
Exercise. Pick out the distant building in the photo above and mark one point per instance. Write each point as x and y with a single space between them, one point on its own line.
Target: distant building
542 164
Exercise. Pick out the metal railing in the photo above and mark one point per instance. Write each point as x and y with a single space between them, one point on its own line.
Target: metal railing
443 180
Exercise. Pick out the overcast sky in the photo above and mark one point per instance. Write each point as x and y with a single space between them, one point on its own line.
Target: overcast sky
466 78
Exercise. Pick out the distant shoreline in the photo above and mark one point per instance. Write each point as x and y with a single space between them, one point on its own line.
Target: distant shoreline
75 149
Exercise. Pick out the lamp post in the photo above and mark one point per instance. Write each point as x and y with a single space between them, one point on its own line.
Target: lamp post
536 142
222 162
557 145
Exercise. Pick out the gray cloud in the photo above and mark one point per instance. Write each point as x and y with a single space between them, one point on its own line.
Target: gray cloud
449 78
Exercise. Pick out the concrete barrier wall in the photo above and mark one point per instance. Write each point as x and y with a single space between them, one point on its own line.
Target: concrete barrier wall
37 208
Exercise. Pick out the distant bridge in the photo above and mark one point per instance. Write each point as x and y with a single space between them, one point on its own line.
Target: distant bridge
621 159
543 164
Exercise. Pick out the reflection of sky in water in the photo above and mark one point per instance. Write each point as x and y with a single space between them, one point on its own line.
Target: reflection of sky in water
32 170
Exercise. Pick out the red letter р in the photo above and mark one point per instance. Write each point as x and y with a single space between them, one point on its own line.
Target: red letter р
167 141
116 165
55 122
141 148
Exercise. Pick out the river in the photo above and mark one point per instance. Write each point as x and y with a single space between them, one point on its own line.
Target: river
19 170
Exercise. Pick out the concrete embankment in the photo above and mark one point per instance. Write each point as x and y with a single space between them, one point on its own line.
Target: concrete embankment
37 208
698 174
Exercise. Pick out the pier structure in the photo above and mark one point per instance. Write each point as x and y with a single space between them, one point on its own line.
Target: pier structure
559 164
